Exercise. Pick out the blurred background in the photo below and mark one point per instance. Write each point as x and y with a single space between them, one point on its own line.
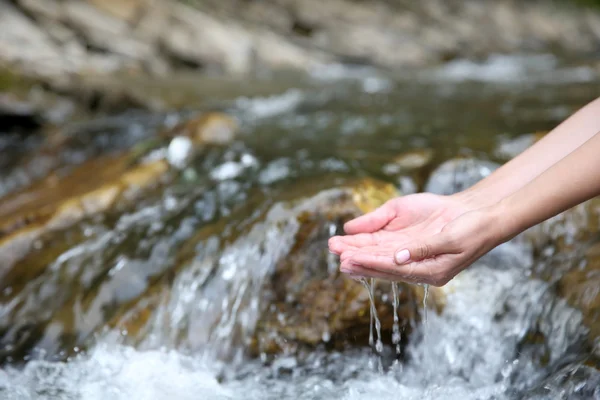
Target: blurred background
170 172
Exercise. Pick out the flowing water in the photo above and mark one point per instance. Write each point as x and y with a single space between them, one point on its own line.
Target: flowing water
349 123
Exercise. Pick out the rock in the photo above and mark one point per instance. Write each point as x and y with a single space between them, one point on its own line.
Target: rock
212 129
105 31
26 47
580 287
458 174
167 282
310 302
200 38
72 39
58 203
267 284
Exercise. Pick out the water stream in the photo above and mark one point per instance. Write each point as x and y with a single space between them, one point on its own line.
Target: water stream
198 255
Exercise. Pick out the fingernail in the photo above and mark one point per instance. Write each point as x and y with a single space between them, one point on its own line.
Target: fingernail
345 270
402 256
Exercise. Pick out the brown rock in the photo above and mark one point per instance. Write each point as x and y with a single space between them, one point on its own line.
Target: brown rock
212 128
310 301
57 203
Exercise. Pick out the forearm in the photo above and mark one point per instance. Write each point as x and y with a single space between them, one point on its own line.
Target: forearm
572 180
521 170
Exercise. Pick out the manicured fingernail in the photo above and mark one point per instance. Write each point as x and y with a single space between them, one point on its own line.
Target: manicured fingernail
402 256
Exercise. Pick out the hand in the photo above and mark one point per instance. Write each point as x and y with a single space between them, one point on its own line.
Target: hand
401 219
428 257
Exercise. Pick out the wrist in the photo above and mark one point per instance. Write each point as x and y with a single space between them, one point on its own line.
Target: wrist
473 198
502 221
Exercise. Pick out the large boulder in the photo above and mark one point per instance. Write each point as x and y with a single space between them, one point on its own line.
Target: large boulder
266 284
259 281
310 302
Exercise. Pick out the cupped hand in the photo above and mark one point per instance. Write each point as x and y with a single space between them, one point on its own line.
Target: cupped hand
427 256
399 219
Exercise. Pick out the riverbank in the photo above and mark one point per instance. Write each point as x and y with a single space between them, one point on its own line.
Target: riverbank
85 48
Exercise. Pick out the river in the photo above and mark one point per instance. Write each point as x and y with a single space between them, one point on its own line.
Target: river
340 122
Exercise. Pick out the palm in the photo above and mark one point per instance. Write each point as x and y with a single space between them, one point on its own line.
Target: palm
396 222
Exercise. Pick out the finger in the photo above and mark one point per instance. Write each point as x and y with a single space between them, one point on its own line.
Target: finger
433 271
387 248
357 271
381 262
359 240
335 244
430 247
370 222
338 245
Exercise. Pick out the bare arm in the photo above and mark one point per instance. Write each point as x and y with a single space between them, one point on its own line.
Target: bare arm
570 181
437 258
557 144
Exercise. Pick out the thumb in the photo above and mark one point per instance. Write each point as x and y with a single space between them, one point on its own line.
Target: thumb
429 247
370 222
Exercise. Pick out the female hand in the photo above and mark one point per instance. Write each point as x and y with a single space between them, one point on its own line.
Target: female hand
427 257
401 218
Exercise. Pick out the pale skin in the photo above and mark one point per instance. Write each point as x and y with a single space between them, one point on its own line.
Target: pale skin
427 238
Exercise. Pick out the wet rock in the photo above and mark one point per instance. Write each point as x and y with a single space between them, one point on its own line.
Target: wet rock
60 202
96 186
212 128
262 280
75 221
580 287
308 301
458 174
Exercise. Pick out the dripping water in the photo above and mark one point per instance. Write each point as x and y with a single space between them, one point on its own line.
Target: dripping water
371 307
396 337
370 286
378 343
425 294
